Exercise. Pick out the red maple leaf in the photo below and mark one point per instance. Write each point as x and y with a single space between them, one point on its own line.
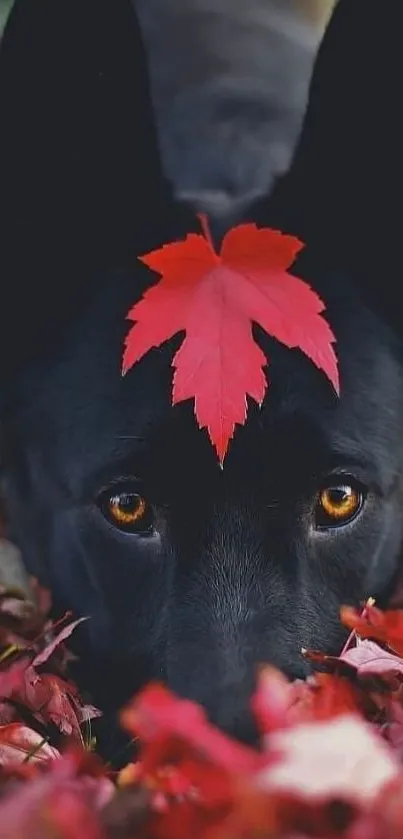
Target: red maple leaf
62 636
385 627
324 697
215 299
11 680
65 800
191 767
156 716
272 700
45 692
53 699
370 659
18 743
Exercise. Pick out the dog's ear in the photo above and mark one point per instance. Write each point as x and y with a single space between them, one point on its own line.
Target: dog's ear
230 81
342 194
82 189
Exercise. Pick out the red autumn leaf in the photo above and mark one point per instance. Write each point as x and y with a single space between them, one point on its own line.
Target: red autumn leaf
48 697
386 627
370 659
215 299
71 816
18 743
385 819
61 802
324 697
271 701
51 647
53 699
11 679
158 717
188 764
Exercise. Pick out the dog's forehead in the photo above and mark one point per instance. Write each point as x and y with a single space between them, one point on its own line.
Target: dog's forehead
91 413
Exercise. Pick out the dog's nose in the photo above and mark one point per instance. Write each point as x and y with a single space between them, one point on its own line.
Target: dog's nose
227 703
231 712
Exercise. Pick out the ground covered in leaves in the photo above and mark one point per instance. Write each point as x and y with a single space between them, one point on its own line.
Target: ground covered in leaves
329 765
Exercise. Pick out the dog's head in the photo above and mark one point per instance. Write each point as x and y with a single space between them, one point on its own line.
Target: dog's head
191 573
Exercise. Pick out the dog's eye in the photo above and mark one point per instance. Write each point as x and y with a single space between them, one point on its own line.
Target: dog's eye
338 504
127 510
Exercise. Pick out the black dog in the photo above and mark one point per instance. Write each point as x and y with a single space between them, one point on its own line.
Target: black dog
190 574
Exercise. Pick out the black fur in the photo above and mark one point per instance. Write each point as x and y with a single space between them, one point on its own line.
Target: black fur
235 571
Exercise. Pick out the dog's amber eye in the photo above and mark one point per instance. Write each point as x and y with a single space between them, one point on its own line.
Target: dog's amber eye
126 510
337 505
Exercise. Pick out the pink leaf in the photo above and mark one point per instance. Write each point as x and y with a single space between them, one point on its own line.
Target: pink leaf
19 743
50 648
342 759
371 660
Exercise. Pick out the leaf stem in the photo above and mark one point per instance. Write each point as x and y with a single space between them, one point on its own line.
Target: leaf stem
36 749
8 652
370 602
206 230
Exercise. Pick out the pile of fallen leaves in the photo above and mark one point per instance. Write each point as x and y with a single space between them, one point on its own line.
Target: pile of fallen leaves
329 764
